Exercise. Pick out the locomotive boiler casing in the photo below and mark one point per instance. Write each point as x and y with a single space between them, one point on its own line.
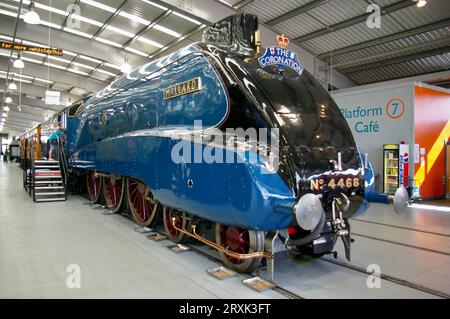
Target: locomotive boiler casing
131 129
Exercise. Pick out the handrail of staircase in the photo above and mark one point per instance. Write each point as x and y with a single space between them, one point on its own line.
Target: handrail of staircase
63 160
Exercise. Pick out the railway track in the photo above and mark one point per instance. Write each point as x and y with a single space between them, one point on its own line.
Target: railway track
283 291
400 227
292 295
393 279
401 244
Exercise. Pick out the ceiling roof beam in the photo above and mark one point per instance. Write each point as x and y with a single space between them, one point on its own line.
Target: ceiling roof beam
25 116
111 17
242 3
39 91
60 76
147 28
343 65
176 41
19 122
35 103
347 23
393 37
21 128
293 13
401 59
71 42
30 111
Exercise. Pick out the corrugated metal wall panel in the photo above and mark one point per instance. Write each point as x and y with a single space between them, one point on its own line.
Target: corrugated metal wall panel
413 16
351 35
269 9
405 69
337 11
411 41
298 26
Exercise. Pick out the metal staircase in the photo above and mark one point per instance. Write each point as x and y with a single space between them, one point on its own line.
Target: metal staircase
43 179
48 183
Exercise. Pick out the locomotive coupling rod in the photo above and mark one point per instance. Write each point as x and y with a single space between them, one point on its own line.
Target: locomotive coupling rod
218 247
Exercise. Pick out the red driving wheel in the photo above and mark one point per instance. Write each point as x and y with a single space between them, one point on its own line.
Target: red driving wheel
94 184
143 208
114 189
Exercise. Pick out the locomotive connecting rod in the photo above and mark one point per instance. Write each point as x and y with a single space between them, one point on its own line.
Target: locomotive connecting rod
218 247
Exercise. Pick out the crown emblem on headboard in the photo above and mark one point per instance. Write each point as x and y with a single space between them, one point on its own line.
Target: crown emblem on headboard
283 41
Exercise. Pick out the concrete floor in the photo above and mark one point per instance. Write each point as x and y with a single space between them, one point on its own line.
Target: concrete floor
39 241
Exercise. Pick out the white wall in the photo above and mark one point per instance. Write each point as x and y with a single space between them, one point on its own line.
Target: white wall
365 110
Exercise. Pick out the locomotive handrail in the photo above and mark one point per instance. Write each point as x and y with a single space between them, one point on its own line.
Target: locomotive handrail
204 52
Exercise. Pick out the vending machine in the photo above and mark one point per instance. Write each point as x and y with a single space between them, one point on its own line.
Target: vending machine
395 167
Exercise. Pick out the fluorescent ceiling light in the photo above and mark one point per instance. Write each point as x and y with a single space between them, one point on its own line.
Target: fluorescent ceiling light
108 42
167 30
22 80
134 18
34 43
22 76
83 34
59 59
83 65
51 9
87 20
150 42
4 37
120 31
42 80
156 5
31 60
224 2
8 13
7 54
77 71
99 5
186 18
90 59
106 72
69 53
51 25
113 65
136 51
56 66
37 53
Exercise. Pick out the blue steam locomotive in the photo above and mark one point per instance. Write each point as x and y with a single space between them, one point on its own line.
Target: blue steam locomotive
219 133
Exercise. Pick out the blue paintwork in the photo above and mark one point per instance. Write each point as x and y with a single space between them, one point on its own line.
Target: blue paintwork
125 132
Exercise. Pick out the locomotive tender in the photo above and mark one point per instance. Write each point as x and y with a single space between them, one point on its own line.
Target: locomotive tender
301 176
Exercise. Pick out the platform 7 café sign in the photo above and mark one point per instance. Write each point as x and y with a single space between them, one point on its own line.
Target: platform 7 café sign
29 48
